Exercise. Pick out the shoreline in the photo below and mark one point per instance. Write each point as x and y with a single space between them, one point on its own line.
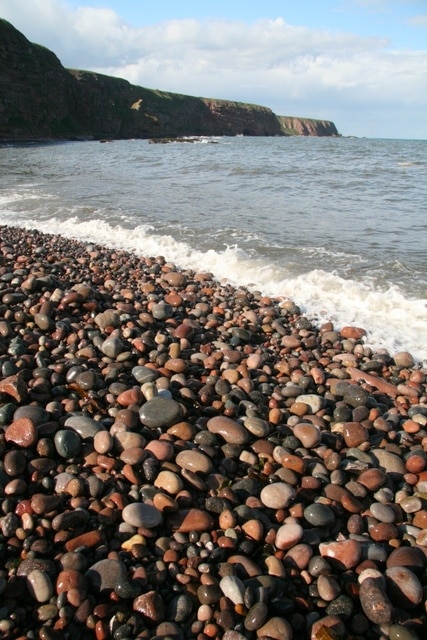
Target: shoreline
196 460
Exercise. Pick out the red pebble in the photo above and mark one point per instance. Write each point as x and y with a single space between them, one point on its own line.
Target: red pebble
415 463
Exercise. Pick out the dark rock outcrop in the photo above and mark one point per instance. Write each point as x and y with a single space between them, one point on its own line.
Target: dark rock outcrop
40 99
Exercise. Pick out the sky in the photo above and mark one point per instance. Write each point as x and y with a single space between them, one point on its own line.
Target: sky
360 63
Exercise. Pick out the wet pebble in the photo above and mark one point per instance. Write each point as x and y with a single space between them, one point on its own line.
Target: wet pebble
22 432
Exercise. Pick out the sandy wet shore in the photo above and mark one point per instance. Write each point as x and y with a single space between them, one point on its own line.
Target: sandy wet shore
183 459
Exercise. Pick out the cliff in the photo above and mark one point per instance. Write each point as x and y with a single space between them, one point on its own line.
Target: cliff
293 126
40 99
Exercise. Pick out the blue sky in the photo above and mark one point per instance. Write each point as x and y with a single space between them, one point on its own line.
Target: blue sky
360 63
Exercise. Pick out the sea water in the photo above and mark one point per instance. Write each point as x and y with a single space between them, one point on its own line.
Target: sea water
338 225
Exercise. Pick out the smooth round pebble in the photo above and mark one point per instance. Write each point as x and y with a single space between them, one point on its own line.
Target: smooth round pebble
40 585
278 495
160 412
68 443
139 514
403 587
319 515
230 430
194 460
288 535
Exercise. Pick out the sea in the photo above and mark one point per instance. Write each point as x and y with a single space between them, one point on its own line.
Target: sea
338 225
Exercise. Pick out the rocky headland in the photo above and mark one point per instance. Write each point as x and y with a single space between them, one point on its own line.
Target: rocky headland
183 459
41 100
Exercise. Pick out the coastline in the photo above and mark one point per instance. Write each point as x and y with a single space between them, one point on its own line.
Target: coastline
154 415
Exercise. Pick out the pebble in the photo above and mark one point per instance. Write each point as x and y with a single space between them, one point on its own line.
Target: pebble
256 616
400 632
308 434
112 347
194 519
354 434
412 558
14 463
162 450
233 589
103 442
151 605
85 426
298 556
22 432
103 575
144 374
375 602
276 628
139 514
230 430
345 553
167 481
257 426
403 587
278 495
383 512
195 461
40 585
288 535
67 443
180 608
319 515
372 479
390 462
160 412
328 588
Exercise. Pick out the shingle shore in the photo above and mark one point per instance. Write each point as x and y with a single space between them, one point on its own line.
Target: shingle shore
184 459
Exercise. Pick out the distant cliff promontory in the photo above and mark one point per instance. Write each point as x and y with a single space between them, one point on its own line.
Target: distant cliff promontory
41 100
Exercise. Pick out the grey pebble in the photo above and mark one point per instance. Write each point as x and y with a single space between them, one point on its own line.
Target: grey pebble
85 426
160 412
68 443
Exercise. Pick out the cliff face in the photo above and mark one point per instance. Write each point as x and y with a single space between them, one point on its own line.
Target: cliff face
36 94
307 127
112 107
40 99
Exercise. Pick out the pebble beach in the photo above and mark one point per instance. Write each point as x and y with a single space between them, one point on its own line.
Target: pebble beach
182 459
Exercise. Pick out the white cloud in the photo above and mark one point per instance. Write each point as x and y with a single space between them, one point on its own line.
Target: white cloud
294 70
418 21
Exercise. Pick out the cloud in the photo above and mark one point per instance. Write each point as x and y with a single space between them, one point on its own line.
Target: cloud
418 21
293 69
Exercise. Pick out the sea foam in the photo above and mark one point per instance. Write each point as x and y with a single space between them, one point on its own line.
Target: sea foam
392 321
